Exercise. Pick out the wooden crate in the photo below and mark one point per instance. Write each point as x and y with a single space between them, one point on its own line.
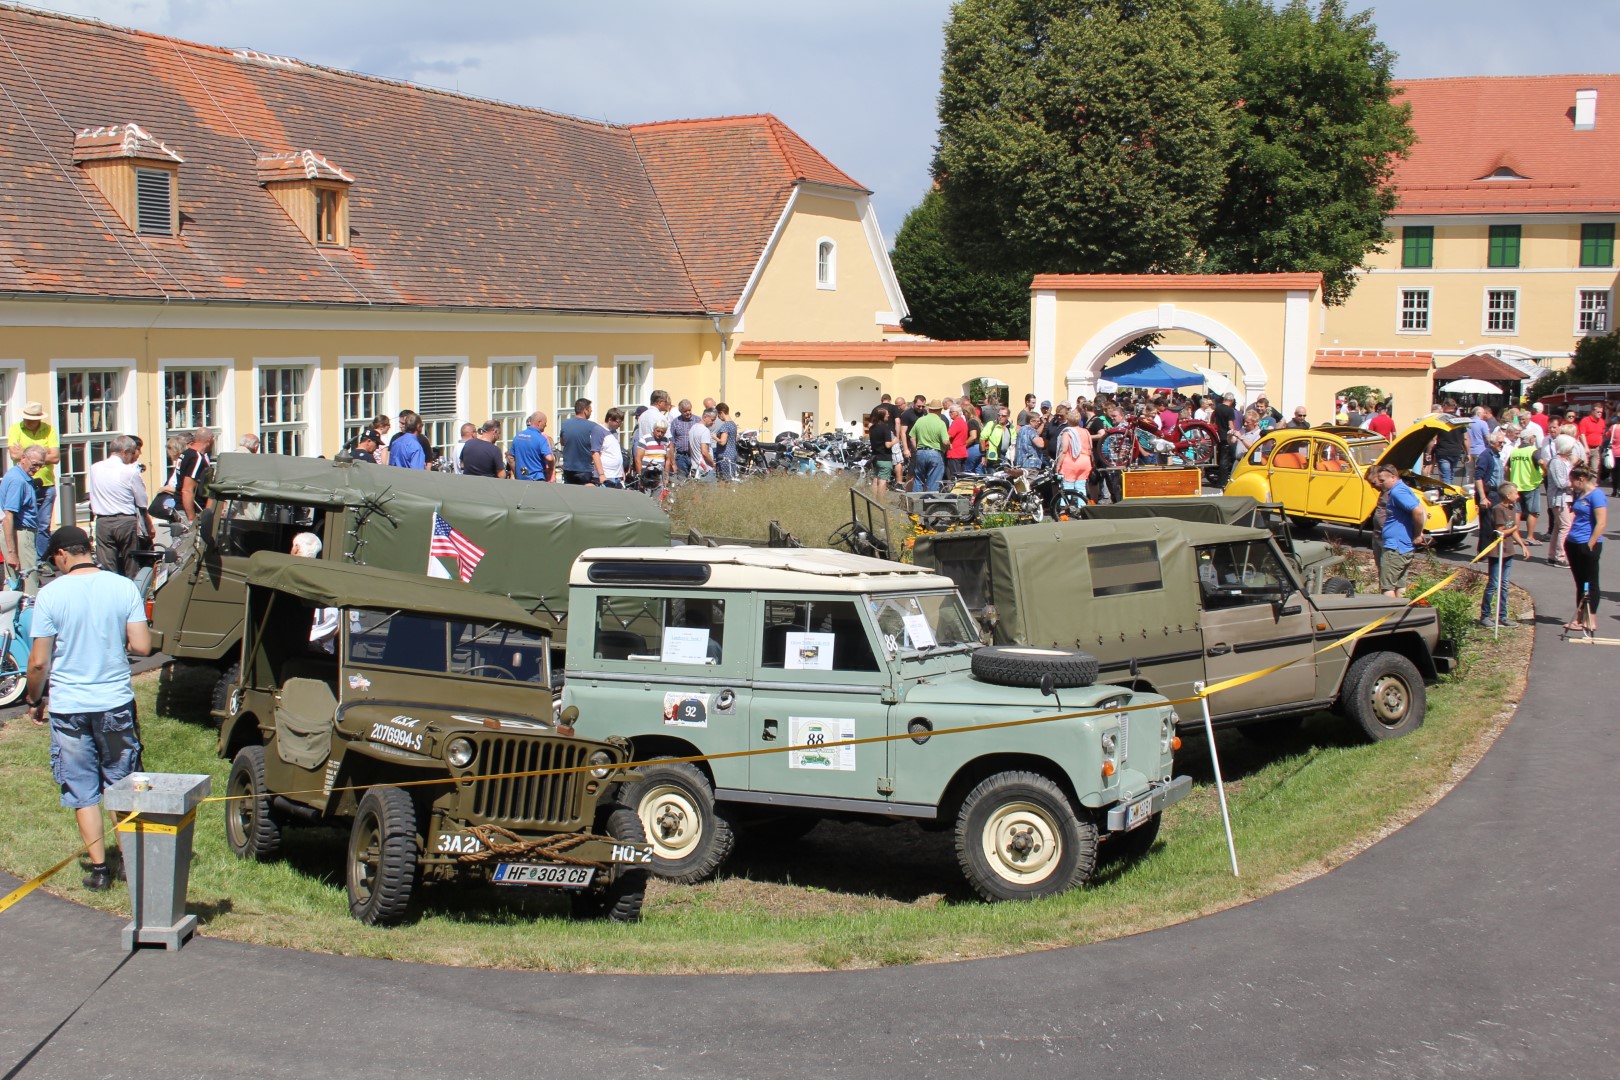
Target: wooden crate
1161 480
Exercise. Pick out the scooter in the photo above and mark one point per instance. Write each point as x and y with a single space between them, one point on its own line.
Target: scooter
16 622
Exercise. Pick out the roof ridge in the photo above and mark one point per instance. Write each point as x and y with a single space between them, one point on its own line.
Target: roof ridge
734 120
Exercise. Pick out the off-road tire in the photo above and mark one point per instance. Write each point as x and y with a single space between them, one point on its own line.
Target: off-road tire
219 699
1130 846
1384 696
620 899
1339 586
1028 806
251 828
1016 665
382 877
691 836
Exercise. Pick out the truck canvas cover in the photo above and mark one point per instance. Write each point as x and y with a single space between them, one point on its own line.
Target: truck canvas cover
331 585
529 532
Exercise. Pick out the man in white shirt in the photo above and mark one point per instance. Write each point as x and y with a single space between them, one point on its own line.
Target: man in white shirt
118 504
700 445
657 413
468 431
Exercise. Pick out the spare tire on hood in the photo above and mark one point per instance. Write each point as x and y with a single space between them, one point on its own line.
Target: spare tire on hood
1019 665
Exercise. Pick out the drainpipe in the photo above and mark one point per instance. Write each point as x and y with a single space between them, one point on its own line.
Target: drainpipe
721 335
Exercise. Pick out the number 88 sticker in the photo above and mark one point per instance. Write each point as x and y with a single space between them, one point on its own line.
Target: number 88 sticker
814 733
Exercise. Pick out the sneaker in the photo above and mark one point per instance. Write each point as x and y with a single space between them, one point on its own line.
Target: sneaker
99 879
1487 624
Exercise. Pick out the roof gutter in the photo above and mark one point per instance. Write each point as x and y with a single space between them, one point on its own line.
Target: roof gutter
302 305
723 342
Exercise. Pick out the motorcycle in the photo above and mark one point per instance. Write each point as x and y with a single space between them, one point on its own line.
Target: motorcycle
1191 443
16 621
1031 494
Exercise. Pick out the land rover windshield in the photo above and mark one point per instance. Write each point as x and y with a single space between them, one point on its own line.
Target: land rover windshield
924 623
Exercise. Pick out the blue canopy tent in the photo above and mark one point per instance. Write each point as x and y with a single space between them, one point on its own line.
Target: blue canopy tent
1146 368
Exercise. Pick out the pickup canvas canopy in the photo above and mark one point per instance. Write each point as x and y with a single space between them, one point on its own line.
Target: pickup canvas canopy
346 586
529 532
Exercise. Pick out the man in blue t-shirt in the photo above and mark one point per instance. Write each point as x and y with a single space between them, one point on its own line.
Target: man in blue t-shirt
86 622
578 435
19 518
1404 520
530 452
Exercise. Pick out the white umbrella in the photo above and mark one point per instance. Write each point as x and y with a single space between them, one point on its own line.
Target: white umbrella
1471 386
1106 386
1218 384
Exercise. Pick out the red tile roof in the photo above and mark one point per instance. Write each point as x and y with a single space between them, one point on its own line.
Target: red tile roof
299 165
1469 128
723 184
1482 366
882 352
1403 359
1241 282
459 202
120 141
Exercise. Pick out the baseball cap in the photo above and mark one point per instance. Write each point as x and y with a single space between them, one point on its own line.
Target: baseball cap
66 536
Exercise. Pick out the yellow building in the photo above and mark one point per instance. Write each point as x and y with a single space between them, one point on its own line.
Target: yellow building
202 236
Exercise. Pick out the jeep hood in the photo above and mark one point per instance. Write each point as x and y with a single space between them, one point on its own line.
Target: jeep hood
1353 612
961 688
1407 449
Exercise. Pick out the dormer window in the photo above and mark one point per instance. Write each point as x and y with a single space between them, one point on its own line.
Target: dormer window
137 174
313 191
826 264
1504 172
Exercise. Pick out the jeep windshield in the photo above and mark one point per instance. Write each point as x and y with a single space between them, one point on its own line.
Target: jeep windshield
923 624
435 646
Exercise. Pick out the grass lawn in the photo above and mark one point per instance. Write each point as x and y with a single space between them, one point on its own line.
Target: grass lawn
848 895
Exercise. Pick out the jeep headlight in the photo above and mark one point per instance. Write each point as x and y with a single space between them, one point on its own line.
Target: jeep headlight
460 752
600 760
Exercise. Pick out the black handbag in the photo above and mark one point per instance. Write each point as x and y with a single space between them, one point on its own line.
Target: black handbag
163 506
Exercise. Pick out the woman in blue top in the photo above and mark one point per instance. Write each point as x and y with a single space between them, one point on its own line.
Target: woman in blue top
1584 548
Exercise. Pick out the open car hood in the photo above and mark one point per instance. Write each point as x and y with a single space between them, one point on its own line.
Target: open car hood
1407 449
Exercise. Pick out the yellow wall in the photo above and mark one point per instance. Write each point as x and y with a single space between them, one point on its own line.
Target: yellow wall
787 305
1548 279
1410 389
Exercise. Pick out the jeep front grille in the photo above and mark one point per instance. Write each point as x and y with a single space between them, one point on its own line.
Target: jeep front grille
528 800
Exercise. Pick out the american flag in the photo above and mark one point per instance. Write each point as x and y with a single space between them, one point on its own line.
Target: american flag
447 541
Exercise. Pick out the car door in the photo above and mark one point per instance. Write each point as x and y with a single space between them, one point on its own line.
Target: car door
1290 472
817 681
1254 618
1336 484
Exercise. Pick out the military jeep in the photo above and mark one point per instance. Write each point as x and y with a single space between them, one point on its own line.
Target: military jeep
419 715
1167 604
786 659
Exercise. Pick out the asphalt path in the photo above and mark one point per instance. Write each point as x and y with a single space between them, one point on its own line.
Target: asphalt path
1479 940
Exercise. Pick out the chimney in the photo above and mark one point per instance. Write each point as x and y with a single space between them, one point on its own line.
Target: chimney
1585 110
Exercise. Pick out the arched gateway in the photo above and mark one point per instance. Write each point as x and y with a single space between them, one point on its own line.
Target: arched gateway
1081 321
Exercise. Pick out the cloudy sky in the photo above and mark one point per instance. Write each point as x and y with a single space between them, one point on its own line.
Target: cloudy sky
857 78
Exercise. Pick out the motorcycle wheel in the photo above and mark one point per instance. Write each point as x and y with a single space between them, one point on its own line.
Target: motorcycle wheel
1115 449
1200 444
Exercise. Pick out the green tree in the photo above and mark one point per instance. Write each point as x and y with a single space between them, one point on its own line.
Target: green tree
1082 135
949 298
1596 361
1317 133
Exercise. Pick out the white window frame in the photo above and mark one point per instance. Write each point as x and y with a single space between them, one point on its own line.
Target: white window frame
512 421
1428 311
12 402
459 416
225 432
587 388
314 445
389 392
1608 311
638 394
827 275
128 412
1485 313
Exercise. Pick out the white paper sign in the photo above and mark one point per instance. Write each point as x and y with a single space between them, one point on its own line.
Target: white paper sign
809 652
686 645
920 634
813 733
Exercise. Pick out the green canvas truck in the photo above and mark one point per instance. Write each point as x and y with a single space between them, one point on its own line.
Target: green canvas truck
1165 604
410 730
376 515
786 655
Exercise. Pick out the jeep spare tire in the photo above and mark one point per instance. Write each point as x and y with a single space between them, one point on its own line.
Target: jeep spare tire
1018 665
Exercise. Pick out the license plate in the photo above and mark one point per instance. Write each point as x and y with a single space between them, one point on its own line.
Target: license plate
556 875
1138 813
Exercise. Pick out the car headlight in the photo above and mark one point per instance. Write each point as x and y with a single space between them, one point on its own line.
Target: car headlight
1434 496
600 760
460 752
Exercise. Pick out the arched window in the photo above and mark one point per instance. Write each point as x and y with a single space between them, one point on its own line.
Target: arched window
826 264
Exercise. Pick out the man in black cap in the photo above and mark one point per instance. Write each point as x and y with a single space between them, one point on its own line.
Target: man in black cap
86 622
366 445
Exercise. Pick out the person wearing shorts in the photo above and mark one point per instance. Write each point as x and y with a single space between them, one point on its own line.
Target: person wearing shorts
1403 529
86 622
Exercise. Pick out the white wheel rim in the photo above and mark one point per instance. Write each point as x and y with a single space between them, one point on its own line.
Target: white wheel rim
1022 843
673 821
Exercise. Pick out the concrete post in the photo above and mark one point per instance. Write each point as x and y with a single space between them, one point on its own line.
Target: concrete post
156 847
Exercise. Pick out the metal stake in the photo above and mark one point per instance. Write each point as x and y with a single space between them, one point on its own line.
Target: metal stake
1220 784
